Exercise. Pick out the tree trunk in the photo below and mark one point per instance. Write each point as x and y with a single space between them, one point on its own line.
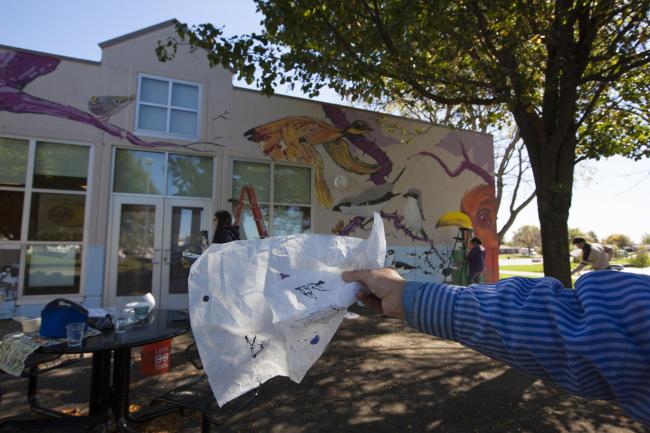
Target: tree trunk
552 161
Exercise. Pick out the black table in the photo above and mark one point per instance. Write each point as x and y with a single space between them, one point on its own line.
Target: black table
160 325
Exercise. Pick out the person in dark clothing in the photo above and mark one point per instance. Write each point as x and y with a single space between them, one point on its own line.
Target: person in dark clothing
476 260
225 231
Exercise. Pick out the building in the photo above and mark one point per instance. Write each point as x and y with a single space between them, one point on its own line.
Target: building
110 170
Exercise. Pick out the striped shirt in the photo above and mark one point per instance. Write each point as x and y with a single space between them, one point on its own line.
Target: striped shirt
593 341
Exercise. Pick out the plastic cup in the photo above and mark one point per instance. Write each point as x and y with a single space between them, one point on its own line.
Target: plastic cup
123 319
75 332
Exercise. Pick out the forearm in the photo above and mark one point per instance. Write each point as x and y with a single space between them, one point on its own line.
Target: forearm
544 330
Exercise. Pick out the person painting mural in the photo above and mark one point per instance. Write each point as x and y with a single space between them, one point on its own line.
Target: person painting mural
225 231
592 341
476 261
595 255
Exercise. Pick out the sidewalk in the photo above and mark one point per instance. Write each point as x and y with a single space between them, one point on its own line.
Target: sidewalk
376 376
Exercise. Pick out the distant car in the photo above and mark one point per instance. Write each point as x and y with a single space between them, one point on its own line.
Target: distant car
536 260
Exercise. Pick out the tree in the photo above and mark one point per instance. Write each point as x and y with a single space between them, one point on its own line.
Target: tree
645 239
618 239
528 236
569 72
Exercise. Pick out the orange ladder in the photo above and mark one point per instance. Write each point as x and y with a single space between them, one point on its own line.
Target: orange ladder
249 191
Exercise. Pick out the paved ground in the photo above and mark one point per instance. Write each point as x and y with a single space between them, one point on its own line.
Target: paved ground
376 376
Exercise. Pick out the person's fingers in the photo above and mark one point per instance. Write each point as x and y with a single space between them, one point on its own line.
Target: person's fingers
370 301
360 276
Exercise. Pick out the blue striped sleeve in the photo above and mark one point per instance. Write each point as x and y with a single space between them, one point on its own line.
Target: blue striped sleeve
593 341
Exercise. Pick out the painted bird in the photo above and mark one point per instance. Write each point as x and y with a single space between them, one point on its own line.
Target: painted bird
294 139
369 201
413 215
105 106
478 211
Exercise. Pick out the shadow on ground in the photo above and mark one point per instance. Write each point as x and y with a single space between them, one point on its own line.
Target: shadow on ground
376 376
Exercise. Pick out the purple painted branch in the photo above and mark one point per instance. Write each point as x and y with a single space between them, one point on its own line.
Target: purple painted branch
354 224
336 115
396 219
466 164
19 69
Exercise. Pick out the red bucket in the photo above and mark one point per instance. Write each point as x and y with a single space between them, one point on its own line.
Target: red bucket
155 358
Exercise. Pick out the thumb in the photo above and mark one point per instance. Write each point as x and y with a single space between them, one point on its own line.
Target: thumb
358 276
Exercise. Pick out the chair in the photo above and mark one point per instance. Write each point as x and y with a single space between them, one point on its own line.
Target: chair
38 364
198 396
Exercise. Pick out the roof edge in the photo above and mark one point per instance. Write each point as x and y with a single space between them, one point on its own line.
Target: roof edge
58 56
137 33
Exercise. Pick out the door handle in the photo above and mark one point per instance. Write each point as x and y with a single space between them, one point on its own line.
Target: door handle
154 261
166 256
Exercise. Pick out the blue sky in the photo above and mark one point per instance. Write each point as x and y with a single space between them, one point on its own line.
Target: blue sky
610 196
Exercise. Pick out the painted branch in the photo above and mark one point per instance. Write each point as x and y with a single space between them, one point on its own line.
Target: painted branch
337 116
17 70
464 165
354 224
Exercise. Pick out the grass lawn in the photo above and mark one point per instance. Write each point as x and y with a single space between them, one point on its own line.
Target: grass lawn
534 267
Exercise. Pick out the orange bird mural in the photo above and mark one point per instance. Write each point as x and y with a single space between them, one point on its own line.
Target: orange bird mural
479 203
295 139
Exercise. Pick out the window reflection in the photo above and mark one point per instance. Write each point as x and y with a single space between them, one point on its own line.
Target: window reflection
253 173
185 245
189 176
11 215
9 271
13 163
292 184
135 252
139 172
291 220
61 166
52 269
248 228
56 217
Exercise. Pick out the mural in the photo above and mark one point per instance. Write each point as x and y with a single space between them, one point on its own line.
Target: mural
18 69
296 139
358 145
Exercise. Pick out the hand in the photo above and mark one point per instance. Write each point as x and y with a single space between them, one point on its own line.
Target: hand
382 290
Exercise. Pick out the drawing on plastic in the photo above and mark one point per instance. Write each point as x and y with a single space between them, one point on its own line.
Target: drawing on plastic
255 347
309 289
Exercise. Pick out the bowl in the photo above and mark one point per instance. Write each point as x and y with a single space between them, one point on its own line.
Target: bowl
29 326
140 309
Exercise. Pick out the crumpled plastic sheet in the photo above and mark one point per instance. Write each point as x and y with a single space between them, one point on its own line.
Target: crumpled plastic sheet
266 308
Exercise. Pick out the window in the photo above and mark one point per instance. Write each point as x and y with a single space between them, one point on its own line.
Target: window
168 107
284 194
43 189
161 173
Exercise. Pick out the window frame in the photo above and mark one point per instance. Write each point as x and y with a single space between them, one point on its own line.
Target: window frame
168 108
166 153
272 203
24 242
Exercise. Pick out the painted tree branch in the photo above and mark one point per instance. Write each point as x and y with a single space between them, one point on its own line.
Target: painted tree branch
466 164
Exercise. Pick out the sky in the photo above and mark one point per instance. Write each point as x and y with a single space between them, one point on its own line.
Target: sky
610 196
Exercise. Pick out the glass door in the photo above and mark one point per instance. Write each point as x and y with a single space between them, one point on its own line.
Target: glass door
184 219
136 248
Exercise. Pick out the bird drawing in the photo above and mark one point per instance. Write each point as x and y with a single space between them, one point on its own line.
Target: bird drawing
413 215
295 139
105 106
369 201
